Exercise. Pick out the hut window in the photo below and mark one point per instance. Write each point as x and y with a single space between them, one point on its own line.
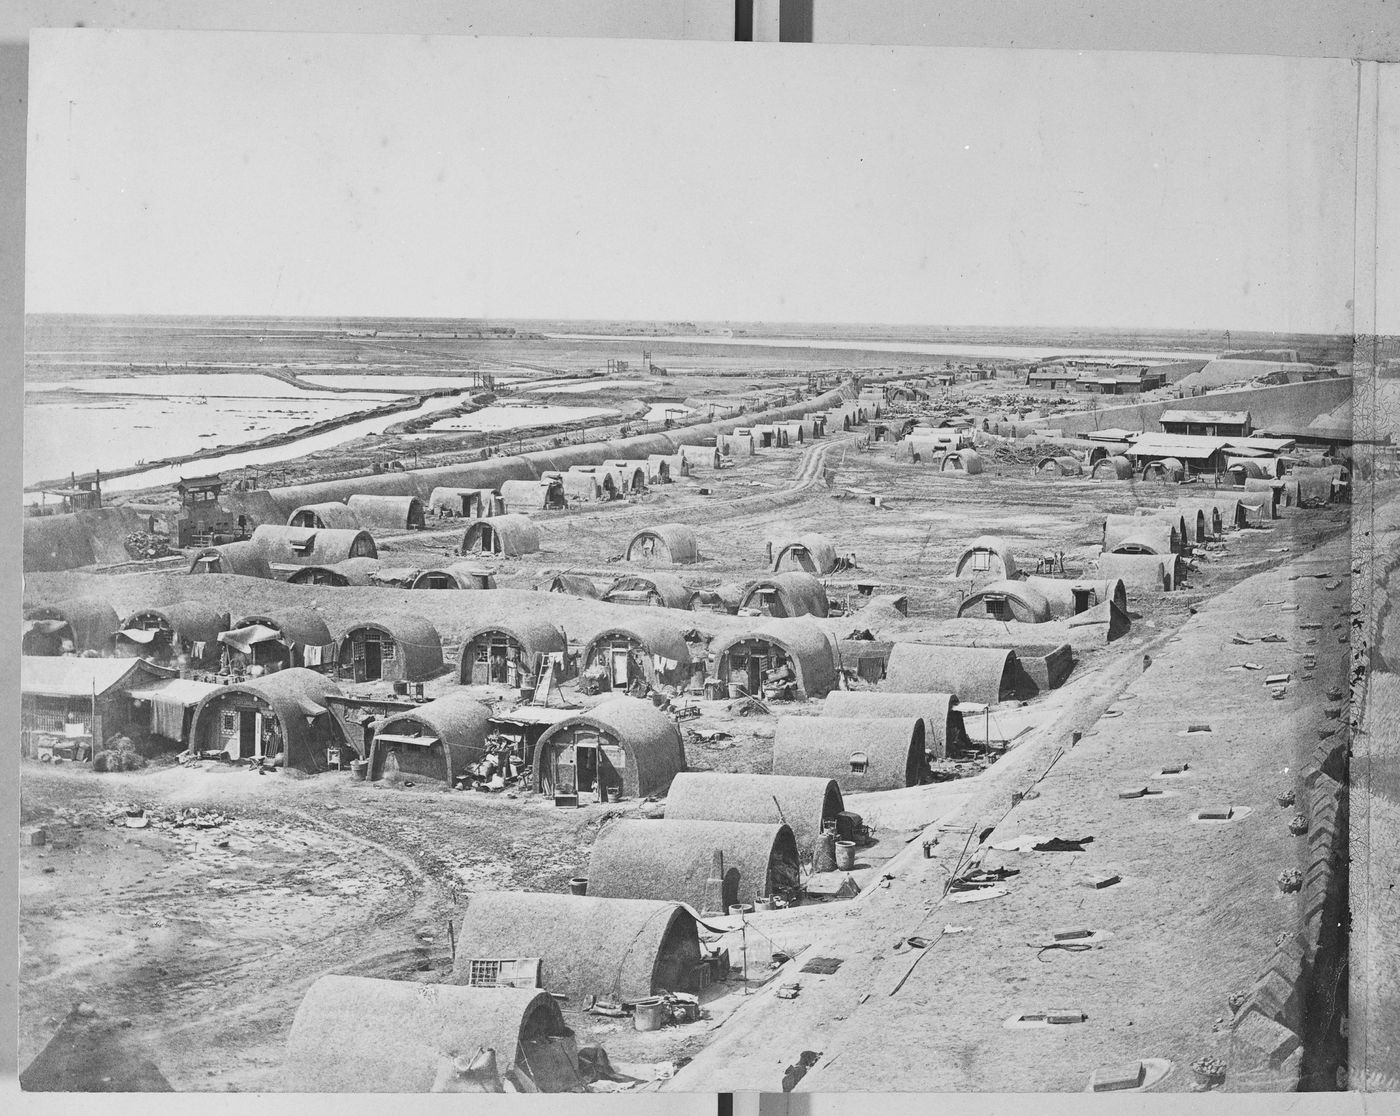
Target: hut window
387 649
997 607
303 545
228 722
858 762
483 653
981 560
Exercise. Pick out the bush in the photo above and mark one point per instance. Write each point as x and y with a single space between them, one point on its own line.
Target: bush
109 759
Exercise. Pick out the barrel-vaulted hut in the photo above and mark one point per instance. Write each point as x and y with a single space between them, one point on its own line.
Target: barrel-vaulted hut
1008 601
965 461
668 543
979 674
456 575
244 558
810 553
439 739
589 482
278 638
782 658
508 652
944 731
574 585
278 714
1142 534
708 865
510 535
788 594
165 633
388 513
1140 573
646 650
656 590
85 622
287 549
1116 467
804 804
1069 597
352 571
1065 465
629 475
1165 470
363 1035
860 753
986 557
624 746
545 493
668 467
331 514
396 648
464 503
618 950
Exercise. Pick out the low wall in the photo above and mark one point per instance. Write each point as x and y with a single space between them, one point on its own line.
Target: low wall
1288 405
1040 669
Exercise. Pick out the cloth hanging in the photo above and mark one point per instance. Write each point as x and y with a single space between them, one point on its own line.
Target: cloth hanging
311 654
168 717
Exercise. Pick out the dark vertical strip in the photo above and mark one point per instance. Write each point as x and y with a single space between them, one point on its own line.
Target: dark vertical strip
724 1102
743 30
795 21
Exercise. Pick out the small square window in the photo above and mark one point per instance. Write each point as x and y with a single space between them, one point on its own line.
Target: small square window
858 763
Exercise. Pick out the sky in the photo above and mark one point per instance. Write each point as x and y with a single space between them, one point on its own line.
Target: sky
306 174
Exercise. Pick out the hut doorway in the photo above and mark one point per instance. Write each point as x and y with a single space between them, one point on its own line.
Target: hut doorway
368 652
587 763
1084 599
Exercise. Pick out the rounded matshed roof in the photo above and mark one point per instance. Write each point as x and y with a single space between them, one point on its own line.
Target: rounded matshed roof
679 540
92 620
656 635
801 593
800 802
668 587
332 513
809 647
820 548
198 621
363 1035
943 724
673 860
587 946
991 544
455 718
1031 601
517 534
652 740
894 749
980 674
416 638
303 626
534 633
244 557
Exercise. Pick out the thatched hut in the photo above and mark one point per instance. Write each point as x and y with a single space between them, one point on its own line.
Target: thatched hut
668 543
1165 470
287 549
608 949
438 740
510 535
965 461
860 753
464 503
1142 573
623 746
397 648
331 515
362 1035
806 805
188 629
1229 510
944 730
676 861
1009 601
508 652
788 594
282 714
656 590
646 650
980 674
575 585
1064 465
543 494
790 659
84 622
352 571
987 556
388 513
244 558
810 553
457 575
1116 467
278 638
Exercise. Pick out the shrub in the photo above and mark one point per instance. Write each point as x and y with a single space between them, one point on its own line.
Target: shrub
110 759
